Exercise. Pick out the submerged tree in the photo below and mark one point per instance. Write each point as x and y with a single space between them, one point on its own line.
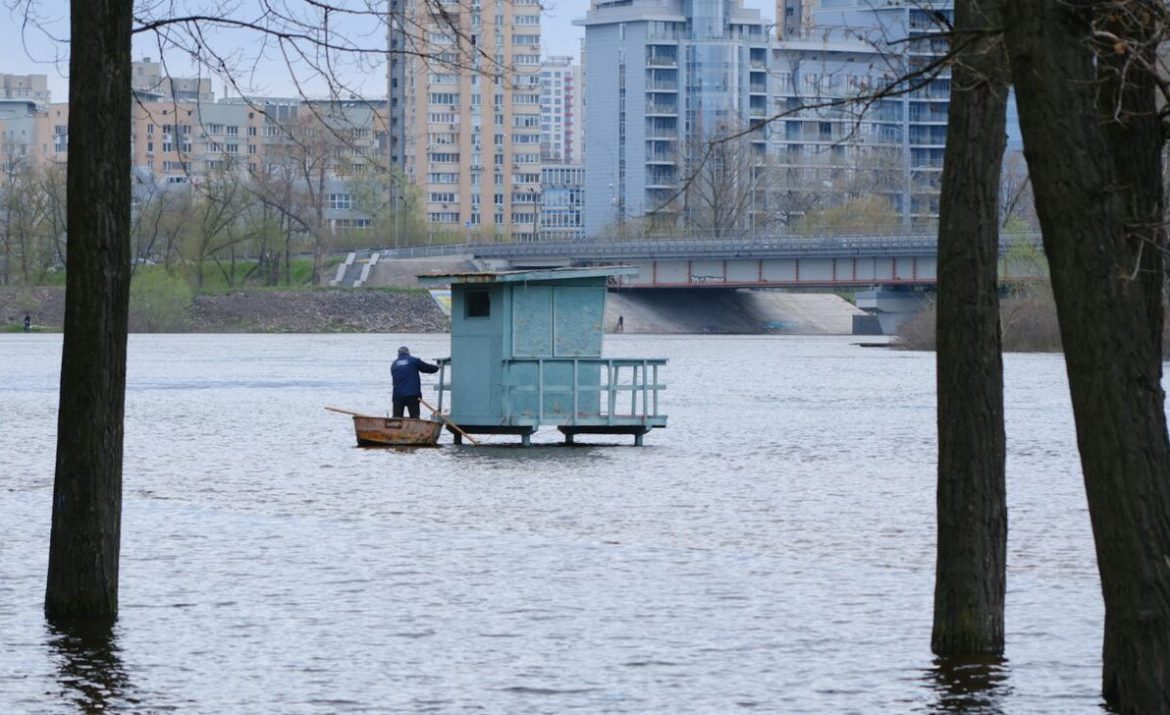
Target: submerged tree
1086 80
87 490
87 496
970 573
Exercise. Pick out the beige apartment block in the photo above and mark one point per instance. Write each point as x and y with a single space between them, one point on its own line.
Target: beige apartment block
30 87
23 126
150 81
179 142
470 108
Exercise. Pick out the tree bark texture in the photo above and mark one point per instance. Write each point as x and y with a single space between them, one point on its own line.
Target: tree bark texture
1093 148
971 500
87 491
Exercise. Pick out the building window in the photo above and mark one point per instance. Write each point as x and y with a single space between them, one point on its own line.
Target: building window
479 304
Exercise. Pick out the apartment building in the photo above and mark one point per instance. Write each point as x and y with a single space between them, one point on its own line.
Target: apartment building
560 111
469 138
891 147
149 80
664 78
562 202
23 101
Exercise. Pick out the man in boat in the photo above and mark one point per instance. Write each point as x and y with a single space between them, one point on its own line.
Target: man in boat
407 386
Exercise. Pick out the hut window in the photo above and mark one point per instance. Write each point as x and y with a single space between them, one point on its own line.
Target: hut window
479 304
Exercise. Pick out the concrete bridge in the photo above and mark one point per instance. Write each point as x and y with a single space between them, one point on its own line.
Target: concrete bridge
882 271
833 262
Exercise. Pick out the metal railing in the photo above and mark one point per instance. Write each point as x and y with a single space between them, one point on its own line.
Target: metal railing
704 244
594 402
595 391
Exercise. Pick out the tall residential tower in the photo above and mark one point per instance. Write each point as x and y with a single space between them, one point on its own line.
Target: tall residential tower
464 89
665 77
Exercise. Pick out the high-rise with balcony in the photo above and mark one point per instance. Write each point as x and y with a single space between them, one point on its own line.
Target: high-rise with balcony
665 77
560 111
891 146
465 113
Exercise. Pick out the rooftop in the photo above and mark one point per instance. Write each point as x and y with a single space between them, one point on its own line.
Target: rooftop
537 274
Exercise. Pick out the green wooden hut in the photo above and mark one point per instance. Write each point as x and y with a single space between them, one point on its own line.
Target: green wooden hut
526 351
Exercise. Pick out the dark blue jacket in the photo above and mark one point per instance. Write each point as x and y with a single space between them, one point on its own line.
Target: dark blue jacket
405 372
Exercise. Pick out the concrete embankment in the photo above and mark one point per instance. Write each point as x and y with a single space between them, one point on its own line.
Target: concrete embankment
730 311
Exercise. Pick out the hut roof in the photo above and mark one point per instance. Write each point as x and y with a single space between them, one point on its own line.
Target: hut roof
523 276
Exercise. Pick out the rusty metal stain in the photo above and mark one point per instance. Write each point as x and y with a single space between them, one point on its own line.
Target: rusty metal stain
391 431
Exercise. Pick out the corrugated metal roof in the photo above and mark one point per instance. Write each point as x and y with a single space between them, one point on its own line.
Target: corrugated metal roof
536 274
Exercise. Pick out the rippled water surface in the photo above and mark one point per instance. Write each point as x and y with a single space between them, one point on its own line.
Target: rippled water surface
771 550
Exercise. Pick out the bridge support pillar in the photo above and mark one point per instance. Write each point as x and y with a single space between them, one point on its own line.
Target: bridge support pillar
890 306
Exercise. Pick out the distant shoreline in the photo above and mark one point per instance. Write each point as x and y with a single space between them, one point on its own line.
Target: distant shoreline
413 310
253 311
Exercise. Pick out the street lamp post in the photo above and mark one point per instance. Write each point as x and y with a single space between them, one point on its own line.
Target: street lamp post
397 218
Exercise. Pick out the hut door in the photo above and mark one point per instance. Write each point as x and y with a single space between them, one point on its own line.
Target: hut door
578 321
532 324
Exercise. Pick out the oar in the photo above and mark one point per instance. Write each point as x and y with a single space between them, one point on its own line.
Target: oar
345 412
449 422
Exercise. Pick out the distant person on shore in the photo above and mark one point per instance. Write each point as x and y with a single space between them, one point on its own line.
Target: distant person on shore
407 386
621 324
27 323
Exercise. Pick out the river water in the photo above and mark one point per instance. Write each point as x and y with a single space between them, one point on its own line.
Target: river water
771 550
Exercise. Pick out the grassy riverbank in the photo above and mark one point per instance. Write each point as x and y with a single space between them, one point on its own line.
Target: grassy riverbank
1027 319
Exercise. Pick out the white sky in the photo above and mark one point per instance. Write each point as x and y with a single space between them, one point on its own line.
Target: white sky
28 50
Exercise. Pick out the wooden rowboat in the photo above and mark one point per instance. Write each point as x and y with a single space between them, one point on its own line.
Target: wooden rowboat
375 431
395 431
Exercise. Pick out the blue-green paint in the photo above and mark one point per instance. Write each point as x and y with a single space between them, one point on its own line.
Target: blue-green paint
526 351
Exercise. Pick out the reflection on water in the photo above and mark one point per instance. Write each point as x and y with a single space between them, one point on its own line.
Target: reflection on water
977 684
89 665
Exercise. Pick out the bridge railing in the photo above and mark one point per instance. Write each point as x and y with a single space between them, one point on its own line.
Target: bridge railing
699 246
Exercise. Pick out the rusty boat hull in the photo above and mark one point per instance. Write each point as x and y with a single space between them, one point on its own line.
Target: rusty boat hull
395 431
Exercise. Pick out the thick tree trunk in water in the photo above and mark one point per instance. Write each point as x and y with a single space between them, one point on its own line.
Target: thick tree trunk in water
87 491
972 502
1093 150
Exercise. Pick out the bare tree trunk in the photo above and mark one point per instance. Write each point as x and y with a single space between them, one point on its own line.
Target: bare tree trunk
972 501
1093 148
87 490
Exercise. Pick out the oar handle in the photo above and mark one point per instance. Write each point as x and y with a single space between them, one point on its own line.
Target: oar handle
443 417
344 412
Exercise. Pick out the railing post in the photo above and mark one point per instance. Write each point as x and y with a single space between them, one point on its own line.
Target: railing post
655 389
611 397
634 390
645 387
576 363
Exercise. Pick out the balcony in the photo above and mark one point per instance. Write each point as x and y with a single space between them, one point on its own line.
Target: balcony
662 61
668 108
